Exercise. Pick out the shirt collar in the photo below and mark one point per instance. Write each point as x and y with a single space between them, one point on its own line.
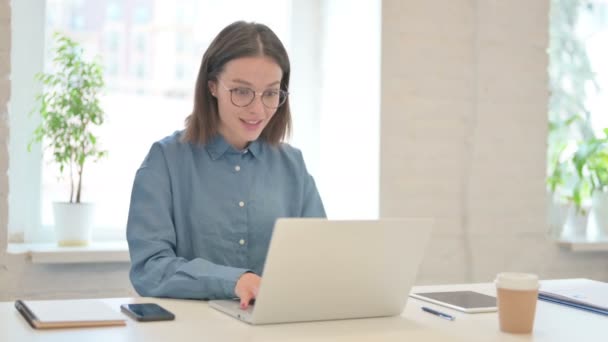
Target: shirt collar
255 147
218 146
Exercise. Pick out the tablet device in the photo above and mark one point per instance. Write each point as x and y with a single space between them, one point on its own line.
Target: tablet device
465 301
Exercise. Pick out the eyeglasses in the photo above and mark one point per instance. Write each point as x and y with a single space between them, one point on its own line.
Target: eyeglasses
243 96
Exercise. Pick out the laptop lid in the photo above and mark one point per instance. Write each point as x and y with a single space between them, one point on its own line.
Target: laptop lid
318 269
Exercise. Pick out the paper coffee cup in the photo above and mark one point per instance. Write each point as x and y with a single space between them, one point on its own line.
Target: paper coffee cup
516 296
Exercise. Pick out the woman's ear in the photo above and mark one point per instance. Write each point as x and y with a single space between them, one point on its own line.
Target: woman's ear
212 85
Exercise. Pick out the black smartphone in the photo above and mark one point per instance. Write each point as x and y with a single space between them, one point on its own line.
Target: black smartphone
147 312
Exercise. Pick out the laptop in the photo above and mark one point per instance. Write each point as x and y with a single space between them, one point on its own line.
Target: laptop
319 269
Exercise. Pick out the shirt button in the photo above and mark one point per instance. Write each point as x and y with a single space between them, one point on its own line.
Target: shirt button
241 242
237 168
241 204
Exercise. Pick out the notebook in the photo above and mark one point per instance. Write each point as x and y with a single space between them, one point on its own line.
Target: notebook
318 269
586 294
49 314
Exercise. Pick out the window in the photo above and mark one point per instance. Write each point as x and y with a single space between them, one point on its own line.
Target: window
593 29
578 108
113 11
151 51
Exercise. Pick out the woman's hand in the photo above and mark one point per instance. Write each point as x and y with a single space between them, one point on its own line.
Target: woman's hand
247 288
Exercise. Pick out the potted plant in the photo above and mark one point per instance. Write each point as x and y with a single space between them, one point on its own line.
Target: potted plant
69 109
591 162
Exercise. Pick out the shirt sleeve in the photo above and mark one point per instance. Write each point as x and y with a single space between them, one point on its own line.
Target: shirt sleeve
312 203
155 269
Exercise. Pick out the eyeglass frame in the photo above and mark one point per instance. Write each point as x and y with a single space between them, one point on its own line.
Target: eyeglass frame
255 94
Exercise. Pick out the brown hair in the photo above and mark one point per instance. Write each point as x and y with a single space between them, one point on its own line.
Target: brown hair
239 39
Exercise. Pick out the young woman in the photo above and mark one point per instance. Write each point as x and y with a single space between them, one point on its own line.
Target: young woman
205 199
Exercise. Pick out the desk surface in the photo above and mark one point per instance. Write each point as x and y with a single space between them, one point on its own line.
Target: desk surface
196 321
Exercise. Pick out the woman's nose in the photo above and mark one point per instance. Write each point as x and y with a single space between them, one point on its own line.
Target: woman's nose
257 105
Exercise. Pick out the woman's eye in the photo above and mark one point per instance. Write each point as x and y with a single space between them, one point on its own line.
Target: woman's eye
243 91
271 93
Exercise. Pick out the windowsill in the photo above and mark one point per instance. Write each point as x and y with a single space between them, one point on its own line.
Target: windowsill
583 244
51 253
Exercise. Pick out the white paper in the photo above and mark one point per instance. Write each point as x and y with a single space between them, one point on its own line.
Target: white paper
72 311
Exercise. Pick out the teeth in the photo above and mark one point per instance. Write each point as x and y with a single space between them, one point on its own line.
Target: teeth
251 122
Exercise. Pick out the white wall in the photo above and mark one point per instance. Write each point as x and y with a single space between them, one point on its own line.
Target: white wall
463 136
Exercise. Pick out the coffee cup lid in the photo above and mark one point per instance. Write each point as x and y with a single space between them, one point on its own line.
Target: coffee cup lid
517 281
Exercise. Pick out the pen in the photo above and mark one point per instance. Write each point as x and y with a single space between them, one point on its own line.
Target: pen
438 313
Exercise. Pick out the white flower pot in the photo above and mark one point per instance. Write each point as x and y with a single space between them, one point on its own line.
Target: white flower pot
73 223
557 213
576 224
598 217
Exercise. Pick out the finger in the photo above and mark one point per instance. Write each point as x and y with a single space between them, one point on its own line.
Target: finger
245 300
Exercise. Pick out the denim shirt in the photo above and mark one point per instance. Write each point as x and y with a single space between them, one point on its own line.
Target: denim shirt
202 215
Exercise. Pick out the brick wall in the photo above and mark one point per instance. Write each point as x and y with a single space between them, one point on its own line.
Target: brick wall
463 136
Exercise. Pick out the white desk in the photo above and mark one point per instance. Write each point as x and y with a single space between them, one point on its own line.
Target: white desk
195 321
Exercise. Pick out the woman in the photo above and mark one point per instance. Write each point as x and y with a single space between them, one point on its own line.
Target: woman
205 199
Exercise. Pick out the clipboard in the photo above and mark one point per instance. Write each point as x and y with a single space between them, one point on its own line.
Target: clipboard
584 294
54 314
573 305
